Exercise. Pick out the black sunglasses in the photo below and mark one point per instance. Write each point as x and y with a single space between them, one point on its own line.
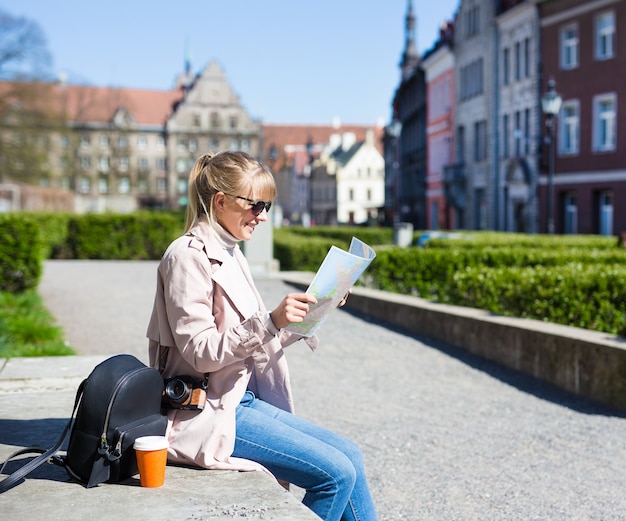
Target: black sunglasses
257 206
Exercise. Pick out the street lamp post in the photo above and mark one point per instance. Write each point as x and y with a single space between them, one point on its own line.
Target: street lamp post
309 150
551 105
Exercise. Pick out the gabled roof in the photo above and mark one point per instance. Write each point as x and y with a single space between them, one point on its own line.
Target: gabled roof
281 137
98 105
342 157
84 104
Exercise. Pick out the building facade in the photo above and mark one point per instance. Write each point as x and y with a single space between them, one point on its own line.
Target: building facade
518 117
584 51
348 185
121 149
409 110
442 210
297 156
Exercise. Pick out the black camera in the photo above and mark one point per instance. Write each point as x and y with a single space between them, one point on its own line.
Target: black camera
184 392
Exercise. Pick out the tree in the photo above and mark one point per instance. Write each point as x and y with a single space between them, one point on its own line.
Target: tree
23 50
27 105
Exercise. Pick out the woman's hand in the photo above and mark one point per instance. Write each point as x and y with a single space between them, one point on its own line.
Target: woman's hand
292 309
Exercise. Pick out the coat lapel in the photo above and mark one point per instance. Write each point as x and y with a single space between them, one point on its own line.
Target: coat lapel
228 273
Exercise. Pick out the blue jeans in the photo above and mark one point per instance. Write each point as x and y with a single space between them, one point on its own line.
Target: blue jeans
330 468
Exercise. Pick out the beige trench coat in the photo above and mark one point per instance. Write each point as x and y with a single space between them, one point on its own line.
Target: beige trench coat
208 318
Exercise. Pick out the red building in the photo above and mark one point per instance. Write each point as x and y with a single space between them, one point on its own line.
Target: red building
584 51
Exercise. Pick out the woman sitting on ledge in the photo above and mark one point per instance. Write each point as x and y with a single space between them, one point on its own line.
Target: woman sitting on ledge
209 320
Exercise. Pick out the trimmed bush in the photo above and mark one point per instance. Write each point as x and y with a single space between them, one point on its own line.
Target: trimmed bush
21 253
138 236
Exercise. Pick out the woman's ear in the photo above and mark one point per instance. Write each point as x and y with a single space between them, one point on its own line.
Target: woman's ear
219 200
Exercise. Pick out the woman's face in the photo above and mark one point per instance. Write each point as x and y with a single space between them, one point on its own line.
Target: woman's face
236 215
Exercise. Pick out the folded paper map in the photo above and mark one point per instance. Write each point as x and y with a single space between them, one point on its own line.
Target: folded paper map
334 278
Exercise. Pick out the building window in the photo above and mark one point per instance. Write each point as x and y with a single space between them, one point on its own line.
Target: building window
233 122
506 65
85 162
505 136
527 131
65 141
215 120
122 142
234 144
193 145
84 185
161 185
605 210
161 142
472 21
245 145
472 79
181 185
161 165
569 47
84 141
480 141
527 58
142 142
142 186
604 123
104 142
181 165
518 61
434 215
103 164
195 120
142 163
517 133
123 185
215 144
571 214
181 145
103 185
123 164
569 128
480 209
605 35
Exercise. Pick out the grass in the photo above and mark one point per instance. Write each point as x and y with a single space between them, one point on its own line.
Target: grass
27 328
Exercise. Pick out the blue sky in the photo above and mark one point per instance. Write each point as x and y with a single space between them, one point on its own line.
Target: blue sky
289 61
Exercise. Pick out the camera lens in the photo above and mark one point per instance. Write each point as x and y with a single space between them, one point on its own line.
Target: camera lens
177 390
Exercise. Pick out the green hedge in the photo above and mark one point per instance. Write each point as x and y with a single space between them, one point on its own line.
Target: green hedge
21 253
576 286
138 236
572 280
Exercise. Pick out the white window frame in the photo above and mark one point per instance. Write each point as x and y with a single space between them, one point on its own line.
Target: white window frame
103 164
569 46
605 209
123 185
604 35
569 128
570 217
604 123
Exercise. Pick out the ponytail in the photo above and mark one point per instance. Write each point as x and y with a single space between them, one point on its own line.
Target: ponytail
193 195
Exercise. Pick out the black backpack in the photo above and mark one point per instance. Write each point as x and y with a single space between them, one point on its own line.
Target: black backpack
118 402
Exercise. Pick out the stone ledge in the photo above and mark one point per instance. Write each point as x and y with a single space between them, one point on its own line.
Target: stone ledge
584 362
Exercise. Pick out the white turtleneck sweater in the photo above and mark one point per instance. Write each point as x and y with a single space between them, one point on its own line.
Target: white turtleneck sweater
229 241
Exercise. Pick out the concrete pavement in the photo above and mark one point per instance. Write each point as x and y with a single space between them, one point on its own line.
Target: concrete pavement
445 435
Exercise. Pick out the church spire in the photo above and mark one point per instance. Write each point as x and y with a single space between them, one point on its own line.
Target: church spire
410 56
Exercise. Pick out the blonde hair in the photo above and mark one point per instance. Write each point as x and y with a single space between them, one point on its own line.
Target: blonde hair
234 173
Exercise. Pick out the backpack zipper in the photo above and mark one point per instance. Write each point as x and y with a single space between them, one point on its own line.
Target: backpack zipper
104 444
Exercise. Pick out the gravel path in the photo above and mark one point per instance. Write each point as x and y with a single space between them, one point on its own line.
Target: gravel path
445 436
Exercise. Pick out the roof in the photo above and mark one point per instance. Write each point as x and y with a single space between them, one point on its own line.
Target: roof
87 104
280 137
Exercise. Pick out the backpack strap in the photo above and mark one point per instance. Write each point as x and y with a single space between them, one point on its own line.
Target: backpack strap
18 476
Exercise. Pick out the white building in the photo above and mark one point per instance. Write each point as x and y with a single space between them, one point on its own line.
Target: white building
348 181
